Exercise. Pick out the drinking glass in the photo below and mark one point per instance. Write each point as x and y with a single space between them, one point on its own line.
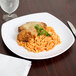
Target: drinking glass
9 6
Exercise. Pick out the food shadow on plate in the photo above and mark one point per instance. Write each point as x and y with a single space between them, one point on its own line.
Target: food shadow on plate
14 36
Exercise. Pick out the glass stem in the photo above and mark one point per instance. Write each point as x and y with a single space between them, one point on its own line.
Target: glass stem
9 15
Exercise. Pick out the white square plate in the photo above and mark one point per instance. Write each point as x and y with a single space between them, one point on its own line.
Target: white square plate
9 33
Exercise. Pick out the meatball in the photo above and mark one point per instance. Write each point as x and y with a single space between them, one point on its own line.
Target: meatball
24 36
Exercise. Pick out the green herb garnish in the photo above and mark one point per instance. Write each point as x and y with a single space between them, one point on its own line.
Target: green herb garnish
41 31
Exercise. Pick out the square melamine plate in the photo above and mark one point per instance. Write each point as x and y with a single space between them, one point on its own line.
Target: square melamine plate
9 33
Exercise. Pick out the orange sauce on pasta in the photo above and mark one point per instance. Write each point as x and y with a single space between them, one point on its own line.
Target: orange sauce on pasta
41 43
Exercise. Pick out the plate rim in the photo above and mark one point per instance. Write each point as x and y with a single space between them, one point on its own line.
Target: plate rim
43 57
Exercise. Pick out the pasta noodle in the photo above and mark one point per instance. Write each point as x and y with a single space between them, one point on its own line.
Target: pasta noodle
42 42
